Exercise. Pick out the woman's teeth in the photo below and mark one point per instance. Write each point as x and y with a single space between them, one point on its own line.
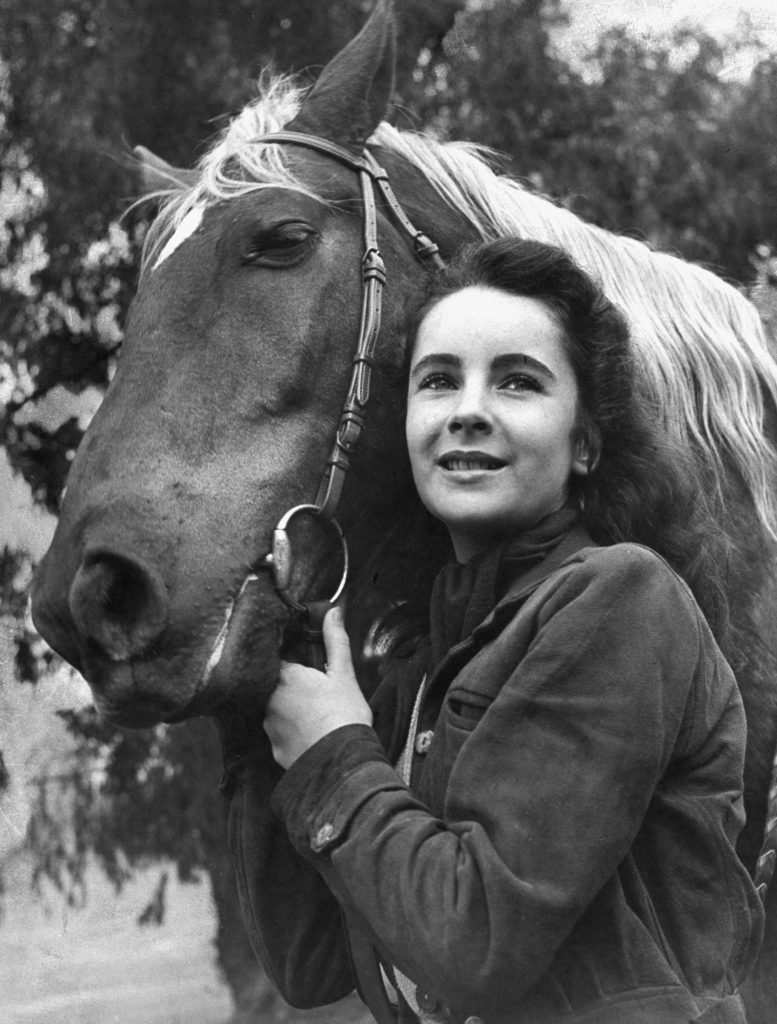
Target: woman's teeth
471 463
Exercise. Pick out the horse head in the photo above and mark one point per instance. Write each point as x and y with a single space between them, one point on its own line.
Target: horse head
222 411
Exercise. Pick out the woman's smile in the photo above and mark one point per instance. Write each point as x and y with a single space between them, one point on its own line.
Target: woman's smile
470 462
492 416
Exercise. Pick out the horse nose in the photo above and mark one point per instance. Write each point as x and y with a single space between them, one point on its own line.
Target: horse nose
118 603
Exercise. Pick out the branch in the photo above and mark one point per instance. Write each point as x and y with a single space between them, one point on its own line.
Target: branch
11 408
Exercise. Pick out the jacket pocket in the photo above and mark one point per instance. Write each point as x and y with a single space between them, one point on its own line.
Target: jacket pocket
464 708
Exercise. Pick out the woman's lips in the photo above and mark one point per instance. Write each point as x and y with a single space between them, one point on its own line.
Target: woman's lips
467 461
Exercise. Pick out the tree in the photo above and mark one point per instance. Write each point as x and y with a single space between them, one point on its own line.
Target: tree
647 135
502 85
763 294
130 800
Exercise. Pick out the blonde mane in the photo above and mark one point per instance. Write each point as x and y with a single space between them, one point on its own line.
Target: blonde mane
700 344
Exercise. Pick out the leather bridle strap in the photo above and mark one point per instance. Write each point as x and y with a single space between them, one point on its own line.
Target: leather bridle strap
351 422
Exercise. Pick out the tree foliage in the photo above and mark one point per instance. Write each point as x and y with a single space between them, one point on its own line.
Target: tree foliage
644 135
647 135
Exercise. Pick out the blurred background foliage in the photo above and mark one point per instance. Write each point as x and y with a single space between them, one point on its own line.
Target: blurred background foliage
639 135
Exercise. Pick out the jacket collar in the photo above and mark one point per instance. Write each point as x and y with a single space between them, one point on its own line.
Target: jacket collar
575 540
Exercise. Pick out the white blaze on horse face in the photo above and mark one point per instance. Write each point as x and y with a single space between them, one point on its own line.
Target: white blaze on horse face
185 230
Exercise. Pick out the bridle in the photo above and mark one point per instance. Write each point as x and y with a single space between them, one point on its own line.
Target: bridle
279 559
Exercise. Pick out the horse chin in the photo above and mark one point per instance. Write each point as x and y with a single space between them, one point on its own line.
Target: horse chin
136 714
128 695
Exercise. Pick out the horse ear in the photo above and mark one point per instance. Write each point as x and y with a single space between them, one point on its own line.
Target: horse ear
353 92
156 175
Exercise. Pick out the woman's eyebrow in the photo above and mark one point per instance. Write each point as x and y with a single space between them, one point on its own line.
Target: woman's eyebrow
445 359
509 360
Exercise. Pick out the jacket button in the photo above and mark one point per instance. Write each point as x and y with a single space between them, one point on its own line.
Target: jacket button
426 1001
423 741
322 837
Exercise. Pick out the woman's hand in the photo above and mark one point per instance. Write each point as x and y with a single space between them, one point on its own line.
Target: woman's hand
307 704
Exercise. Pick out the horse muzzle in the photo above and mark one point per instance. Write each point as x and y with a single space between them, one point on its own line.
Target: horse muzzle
154 655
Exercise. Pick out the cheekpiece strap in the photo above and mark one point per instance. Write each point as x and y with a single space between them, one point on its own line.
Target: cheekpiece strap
371 176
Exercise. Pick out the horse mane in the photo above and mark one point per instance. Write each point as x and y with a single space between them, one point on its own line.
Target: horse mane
702 353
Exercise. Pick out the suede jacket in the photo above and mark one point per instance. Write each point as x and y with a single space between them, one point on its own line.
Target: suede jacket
566 850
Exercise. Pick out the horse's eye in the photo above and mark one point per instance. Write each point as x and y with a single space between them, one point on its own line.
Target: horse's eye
283 245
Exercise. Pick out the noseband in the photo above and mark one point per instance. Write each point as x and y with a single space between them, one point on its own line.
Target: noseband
372 177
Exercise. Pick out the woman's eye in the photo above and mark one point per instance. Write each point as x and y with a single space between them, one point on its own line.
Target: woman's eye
436 382
520 382
281 246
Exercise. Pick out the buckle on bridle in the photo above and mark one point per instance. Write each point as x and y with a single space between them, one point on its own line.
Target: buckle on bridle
373 266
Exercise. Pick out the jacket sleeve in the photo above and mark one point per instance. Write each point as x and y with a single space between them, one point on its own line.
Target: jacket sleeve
293 921
545 794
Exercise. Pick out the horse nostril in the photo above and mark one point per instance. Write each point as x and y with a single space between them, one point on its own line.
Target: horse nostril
118 603
120 589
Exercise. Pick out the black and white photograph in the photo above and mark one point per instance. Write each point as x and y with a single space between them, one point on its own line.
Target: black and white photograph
388 496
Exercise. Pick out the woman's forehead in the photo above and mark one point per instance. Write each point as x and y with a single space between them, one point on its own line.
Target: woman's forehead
483 324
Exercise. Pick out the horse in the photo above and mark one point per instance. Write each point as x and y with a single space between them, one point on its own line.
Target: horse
162 586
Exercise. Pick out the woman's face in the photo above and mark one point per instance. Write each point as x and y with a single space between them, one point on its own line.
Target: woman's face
491 415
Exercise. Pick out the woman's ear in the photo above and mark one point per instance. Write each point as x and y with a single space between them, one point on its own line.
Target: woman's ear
585 454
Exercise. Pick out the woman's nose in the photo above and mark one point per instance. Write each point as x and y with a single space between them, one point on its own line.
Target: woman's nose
471 413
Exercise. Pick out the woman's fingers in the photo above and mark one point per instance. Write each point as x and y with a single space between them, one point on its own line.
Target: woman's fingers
307 704
338 647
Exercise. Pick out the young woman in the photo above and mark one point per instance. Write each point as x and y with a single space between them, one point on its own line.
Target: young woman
534 819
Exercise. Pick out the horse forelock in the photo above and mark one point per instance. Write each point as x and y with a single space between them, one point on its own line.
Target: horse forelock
700 344
234 165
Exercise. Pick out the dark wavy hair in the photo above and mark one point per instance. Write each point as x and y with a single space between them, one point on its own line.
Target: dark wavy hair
640 487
